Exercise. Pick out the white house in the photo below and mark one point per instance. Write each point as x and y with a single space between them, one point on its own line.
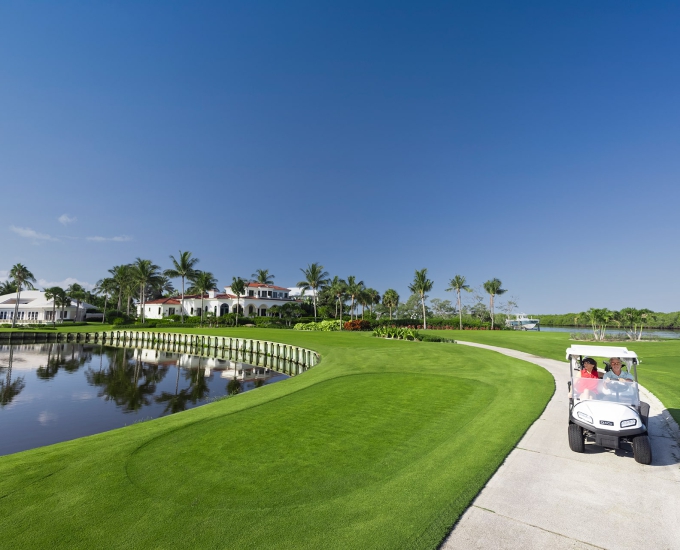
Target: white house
257 301
35 308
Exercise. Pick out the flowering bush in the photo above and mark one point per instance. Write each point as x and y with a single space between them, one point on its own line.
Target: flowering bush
357 324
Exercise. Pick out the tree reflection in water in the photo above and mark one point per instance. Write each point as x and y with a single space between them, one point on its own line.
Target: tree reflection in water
174 402
8 389
130 384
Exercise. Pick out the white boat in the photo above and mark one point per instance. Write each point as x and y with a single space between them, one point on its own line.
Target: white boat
522 322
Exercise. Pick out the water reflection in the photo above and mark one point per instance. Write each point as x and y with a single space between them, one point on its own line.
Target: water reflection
8 389
59 391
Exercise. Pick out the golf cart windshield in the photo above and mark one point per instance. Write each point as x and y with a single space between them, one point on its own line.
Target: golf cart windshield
617 391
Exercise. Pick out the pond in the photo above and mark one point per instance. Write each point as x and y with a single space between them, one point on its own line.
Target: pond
646 333
56 392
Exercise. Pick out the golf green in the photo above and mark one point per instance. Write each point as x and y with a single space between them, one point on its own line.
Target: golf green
382 445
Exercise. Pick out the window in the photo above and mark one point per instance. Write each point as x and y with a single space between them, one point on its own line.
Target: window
251 293
159 311
269 293
192 310
171 311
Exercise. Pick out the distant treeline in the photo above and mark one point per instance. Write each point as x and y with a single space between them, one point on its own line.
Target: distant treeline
655 320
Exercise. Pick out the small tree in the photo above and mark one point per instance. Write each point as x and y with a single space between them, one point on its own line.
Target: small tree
420 285
202 282
238 287
634 320
457 284
493 288
184 267
599 318
315 278
21 277
390 300
53 293
76 292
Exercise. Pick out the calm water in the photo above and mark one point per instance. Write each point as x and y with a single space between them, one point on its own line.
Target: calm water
56 392
649 333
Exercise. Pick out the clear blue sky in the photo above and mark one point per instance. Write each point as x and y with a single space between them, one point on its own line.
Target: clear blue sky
536 142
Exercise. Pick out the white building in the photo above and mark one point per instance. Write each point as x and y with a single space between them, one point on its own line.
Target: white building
257 301
34 308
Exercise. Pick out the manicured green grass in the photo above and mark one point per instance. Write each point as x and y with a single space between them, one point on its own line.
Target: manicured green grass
382 445
659 370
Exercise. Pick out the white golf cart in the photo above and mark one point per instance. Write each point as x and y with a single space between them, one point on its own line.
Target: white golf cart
605 410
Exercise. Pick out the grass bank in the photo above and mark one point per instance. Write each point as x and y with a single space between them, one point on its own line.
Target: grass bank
382 445
659 370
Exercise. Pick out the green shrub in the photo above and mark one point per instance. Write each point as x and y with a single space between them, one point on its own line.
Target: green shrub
397 333
321 325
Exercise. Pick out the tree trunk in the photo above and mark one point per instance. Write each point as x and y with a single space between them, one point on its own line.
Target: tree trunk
491 309
422 299
54 311
181 307
16 306
106 299
460 312
314 291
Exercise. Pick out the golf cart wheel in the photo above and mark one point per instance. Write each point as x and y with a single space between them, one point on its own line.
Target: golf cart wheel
642 450
576 440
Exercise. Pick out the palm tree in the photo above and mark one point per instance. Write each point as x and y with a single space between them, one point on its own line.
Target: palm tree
182 267
263 276
421 284
77 292
21 277
337 287
315 278
8 287
493 288
202 281
373 298
62 301
145 272
458 284
390 300
238 287
354 289
52 293
107 287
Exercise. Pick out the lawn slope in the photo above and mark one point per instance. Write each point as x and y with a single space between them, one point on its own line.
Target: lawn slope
382 445
659 370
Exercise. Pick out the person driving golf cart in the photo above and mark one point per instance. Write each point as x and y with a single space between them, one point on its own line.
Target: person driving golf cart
616 373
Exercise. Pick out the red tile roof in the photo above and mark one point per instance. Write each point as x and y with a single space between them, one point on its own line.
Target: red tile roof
173 301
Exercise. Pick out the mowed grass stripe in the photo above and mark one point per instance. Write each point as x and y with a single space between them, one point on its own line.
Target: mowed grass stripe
382 445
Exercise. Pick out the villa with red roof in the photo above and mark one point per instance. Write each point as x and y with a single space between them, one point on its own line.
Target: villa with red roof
257 301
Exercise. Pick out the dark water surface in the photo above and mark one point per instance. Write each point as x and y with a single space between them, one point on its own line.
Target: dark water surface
56 392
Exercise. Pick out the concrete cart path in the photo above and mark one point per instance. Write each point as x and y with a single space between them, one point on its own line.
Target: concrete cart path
546 496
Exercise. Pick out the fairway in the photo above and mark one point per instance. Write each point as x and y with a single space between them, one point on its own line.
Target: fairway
382 445
659 369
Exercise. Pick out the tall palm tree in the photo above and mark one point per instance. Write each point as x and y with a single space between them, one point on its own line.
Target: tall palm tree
373 298
315 278
145 272
21 277
390 300
182 267
122 275
202 281
458 284
337 288
52 293
354 289
105 287
263 276
493 288
421 284
76 292
238 287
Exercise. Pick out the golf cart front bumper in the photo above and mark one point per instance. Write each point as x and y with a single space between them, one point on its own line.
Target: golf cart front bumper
609 438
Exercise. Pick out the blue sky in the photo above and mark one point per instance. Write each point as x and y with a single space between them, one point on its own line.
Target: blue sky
530 141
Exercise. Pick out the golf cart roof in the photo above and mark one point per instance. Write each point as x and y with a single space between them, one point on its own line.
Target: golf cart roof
601 351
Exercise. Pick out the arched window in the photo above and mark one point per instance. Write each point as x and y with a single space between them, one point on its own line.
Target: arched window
224 309
251 309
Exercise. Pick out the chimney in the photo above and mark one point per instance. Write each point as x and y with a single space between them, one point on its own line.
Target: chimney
211 293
